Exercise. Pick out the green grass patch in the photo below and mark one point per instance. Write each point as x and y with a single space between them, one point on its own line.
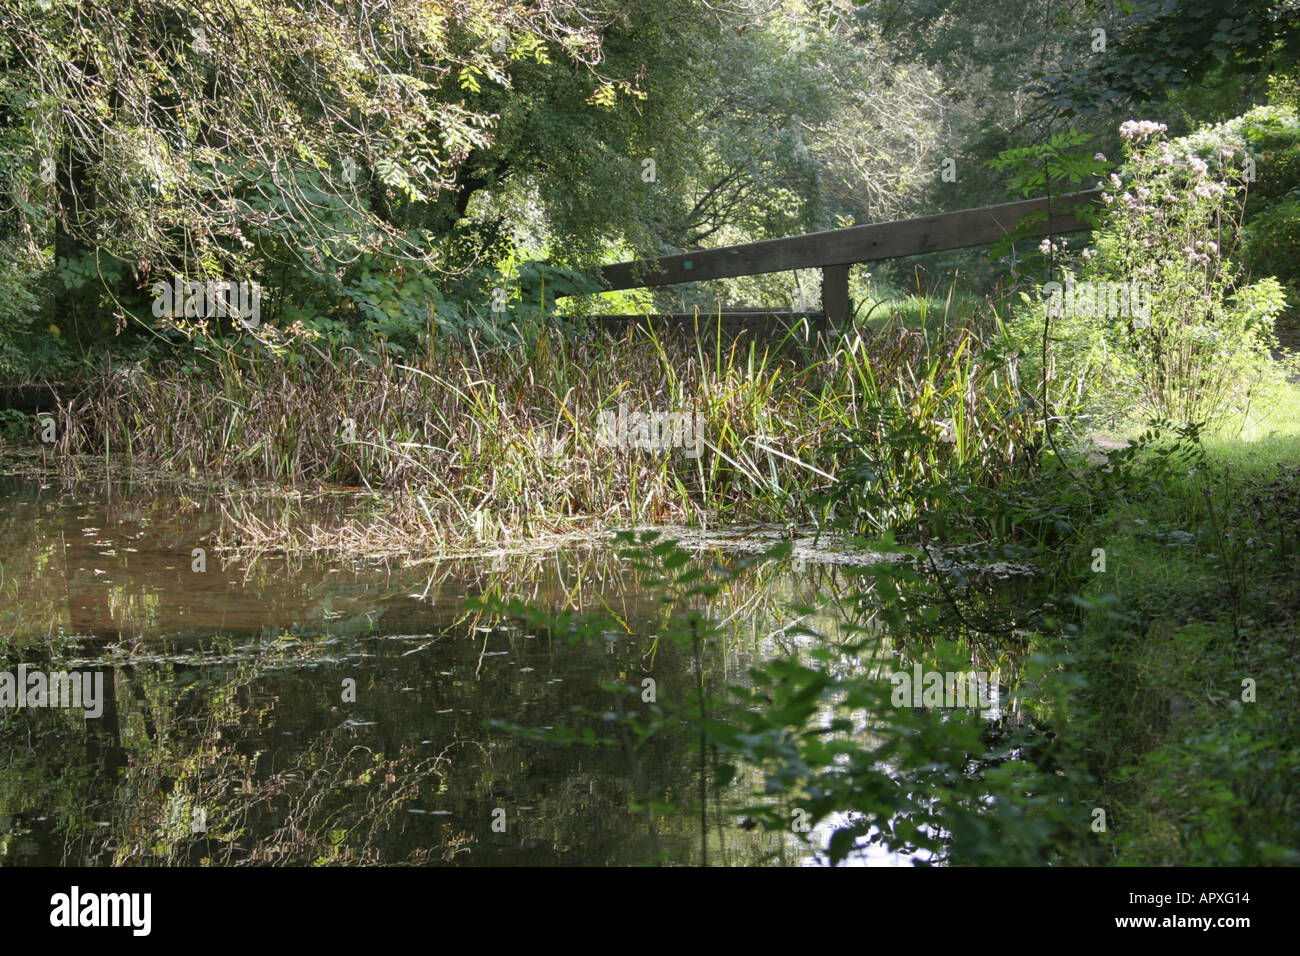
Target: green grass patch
1192 665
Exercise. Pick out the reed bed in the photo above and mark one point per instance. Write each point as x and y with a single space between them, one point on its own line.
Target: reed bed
470 442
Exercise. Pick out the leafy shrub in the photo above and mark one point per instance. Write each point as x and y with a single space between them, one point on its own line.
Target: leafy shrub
1269 137
15 423
1171 223
19 308
1272 248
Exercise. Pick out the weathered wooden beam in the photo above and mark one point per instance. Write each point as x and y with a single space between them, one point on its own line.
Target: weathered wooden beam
770 326
843 247
730 319
706 318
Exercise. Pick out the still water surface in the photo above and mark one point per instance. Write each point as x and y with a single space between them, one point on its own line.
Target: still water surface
232 731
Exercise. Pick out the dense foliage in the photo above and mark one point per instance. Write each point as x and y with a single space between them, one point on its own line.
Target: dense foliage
412 186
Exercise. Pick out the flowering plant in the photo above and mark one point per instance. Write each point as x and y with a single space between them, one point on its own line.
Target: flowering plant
1172 224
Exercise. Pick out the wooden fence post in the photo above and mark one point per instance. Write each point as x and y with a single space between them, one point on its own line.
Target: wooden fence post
835 296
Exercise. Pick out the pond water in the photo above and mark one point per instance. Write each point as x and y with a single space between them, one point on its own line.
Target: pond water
275 711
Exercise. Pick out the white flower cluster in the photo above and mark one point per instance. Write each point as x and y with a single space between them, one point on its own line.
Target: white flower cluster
1141 129
1201 253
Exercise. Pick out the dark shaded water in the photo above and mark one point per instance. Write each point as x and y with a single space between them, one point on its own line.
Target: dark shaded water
230 731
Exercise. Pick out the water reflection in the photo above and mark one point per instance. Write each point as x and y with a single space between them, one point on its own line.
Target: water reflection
271 711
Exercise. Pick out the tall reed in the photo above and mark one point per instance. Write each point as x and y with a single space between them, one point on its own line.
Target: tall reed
503 440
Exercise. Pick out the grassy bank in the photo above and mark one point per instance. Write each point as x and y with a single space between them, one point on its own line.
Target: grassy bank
1189 652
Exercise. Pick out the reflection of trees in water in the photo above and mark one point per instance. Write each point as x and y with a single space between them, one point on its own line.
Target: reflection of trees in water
192 788
236 749
276 773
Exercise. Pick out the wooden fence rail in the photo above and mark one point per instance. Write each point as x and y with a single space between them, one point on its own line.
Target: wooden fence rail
835 250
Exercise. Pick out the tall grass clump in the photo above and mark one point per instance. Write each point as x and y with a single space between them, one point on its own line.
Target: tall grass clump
490 440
